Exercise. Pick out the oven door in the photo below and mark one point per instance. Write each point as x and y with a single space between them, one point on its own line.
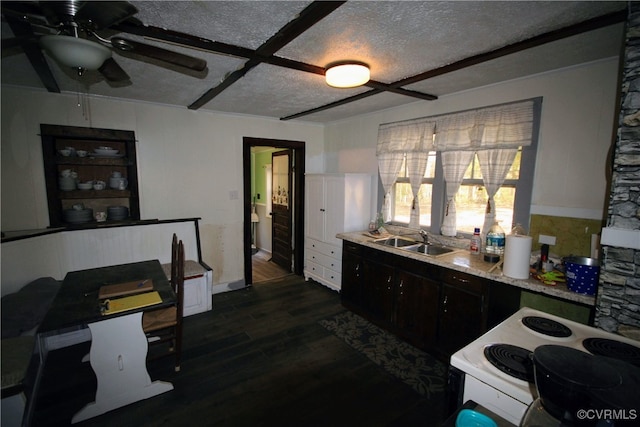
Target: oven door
494 400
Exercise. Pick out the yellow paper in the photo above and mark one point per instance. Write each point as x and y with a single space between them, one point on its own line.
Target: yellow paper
132 302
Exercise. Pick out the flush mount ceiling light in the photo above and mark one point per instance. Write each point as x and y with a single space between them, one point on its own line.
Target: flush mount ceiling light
75 52
347 74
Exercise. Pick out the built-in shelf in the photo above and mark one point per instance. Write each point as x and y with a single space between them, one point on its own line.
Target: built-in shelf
92 167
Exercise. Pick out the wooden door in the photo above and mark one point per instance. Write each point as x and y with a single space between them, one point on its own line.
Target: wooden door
281 213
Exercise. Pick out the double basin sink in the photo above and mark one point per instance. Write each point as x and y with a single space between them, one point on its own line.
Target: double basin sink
413 246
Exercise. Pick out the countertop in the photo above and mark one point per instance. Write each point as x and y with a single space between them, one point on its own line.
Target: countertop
462 260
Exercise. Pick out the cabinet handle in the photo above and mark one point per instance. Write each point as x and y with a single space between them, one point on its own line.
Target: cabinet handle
322 210
401 283
459 279
445 300
389 279
358 267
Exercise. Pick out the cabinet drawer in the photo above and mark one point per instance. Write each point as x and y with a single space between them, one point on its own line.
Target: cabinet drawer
324 248
332 276
323 260
313 268
464 281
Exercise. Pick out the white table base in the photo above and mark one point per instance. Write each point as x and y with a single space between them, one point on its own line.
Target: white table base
118 357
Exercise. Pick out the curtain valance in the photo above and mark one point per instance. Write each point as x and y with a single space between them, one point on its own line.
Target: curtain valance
502 126
408 136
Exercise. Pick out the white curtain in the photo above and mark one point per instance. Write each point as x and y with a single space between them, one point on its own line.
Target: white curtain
496 131
504 126
454 164
495 165
389 166
412 137
416 166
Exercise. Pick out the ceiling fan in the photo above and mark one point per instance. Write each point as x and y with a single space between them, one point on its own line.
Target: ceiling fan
68 31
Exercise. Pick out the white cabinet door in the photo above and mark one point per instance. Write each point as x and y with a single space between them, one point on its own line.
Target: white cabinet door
315 215
334 209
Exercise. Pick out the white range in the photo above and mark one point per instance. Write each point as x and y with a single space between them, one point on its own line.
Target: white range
506 386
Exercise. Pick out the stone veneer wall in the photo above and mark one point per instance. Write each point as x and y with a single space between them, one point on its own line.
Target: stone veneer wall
618 303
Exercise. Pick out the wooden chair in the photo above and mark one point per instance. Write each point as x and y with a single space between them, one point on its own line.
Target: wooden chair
164 326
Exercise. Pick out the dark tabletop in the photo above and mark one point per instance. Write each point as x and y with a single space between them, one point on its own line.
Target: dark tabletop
77 303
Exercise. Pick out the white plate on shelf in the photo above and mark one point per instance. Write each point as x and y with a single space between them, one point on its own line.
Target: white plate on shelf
103 154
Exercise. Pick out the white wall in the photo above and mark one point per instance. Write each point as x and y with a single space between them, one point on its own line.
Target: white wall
578 110
189 163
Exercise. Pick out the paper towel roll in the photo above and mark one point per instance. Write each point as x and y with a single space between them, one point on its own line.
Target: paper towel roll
517 251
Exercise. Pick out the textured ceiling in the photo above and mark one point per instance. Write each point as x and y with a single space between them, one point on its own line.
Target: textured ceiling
397 39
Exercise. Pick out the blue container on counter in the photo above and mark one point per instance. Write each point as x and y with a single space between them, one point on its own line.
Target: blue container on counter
582 274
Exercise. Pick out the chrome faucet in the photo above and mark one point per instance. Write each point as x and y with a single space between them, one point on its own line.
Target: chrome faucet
425 237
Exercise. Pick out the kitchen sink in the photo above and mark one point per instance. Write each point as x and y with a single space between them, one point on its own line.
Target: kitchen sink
429 249
396 242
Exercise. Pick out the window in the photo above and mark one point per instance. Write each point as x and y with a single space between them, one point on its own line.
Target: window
471 199
403 196
456 149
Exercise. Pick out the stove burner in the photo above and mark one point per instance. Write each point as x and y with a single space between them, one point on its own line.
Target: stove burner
512 360
546 326
612 348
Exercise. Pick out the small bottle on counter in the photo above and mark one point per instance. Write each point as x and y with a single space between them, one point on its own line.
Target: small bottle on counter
380 220
495 240
476 242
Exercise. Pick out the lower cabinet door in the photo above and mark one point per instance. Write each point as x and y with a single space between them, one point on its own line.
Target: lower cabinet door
378 291
416 313
460 318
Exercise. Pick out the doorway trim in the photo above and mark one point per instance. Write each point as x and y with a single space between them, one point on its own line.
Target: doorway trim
298 199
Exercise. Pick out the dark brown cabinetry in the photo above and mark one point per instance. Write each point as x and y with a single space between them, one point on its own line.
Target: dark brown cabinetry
434 308
417 308
92 167
461 311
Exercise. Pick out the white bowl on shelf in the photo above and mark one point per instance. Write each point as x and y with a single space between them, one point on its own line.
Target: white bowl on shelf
106 151
65 152
85 185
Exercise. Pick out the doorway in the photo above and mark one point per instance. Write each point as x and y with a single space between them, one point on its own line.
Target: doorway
258 207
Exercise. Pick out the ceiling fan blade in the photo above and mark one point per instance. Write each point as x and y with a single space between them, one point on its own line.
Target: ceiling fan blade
21 8
17 41
29 12
160 54
103 14
34 54
113 72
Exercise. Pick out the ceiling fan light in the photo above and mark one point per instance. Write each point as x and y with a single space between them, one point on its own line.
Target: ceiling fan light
75 52
347 74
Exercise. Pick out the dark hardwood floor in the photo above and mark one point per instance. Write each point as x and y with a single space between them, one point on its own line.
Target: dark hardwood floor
259 358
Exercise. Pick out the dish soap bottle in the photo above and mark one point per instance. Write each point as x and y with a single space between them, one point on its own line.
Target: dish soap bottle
495 240
476 242
380 220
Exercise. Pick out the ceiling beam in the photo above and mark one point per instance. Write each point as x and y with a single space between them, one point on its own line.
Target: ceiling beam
261 56
539 40
548 37
334 104
22 30
311 15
